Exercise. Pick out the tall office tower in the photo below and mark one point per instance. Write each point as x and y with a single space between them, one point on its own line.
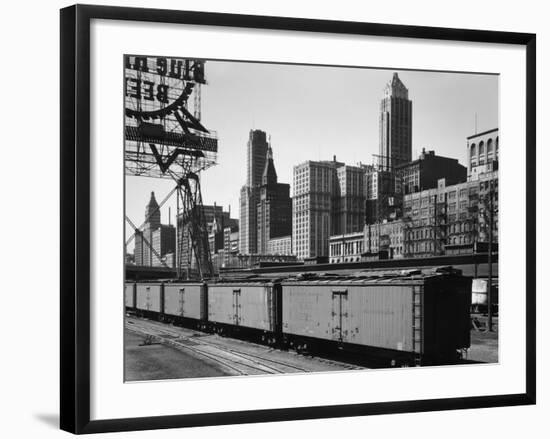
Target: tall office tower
315 193
350 205
247 221
274 208
395 125
256 150
144 239
255 163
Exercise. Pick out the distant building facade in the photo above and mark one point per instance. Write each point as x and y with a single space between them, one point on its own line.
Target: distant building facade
387 236
346 248
274 207
314 199
329 199
230 244
156 240
280 246
451 215
164 240
240 261
216 220
461 214
349 215
483 153
424 172
381 200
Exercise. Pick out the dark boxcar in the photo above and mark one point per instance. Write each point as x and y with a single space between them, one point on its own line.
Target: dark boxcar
148 297
245 304
426 316
187 300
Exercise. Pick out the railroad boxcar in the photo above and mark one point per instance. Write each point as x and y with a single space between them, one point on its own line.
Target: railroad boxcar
130 295
185 301
419 319
240 306
149 298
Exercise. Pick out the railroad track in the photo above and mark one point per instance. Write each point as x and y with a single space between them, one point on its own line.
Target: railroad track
236 361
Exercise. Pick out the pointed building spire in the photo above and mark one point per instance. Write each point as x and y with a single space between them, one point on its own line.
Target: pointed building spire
395 88
152 213
270 175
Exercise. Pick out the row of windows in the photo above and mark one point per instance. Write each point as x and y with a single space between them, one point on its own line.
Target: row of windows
346 248
482 148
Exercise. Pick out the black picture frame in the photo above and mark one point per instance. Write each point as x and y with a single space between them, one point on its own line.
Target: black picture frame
75 217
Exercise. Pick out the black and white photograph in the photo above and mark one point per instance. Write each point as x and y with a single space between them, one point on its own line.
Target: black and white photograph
293 218
275 219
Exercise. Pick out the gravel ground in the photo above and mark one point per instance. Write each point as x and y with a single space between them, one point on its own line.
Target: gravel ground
484 347
162 361
157 362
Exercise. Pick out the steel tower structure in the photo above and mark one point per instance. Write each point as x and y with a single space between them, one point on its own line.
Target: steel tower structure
164 138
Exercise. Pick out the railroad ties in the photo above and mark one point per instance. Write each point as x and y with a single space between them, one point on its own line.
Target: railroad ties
233 359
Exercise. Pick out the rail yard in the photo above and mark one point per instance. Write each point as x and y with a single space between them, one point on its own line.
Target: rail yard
308 323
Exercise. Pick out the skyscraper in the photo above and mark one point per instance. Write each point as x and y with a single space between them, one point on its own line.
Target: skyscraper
349 215
274 207
395 125
329 199
256 150
156 240
152 213
313 205
255 163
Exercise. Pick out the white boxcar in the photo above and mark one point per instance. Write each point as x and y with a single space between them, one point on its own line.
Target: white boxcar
148 297
129 295
423 314
185 300
251 305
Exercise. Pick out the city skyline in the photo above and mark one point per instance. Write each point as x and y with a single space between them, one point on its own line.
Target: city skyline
343 101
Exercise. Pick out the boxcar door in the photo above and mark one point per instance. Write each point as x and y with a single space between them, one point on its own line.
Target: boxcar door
148 303
340 315
236 306
181 308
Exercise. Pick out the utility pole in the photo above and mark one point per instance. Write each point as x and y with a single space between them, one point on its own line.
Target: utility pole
434 228
178 239
490 261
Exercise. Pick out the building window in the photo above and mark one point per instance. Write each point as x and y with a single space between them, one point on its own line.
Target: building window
489 149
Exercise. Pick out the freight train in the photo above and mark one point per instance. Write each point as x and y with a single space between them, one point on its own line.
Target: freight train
400 318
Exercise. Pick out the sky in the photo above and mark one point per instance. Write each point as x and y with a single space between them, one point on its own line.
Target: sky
315 112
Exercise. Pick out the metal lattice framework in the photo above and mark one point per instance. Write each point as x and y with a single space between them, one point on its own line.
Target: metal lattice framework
164 138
